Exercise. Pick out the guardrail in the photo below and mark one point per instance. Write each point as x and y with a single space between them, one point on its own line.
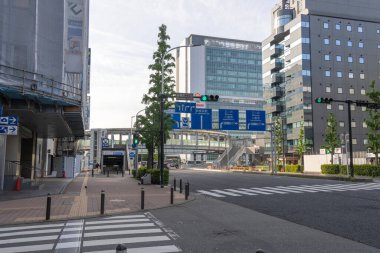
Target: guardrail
35 84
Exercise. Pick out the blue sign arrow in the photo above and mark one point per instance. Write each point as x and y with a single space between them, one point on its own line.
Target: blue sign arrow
201 119
9 120
3 129
228 119
12 129
184 107
176 117
255 120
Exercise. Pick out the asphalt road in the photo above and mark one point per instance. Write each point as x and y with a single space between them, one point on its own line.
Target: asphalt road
350 214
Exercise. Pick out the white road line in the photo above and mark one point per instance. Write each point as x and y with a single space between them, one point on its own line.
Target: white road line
267 190
125 217
119 226
283 189
124 232
241 192
29 239
28 248
125 240
72 229
156 249
46 231
226 193
30 227
115 221
67 245
301 189
255 191
210 193
70 236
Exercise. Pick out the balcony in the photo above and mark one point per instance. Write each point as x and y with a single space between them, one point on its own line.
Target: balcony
277 66
277 78
275 92
278 51
274 107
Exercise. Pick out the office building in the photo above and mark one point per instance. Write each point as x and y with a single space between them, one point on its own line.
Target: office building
320 48
44 81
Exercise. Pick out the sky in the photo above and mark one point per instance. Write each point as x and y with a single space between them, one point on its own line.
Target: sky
123 37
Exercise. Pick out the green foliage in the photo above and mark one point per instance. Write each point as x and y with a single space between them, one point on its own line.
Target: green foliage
373 122
279 136
300 148
295 168
359 170
162 69
155 175
332 140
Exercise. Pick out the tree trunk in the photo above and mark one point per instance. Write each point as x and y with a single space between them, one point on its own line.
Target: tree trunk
377 158
332 158
150 157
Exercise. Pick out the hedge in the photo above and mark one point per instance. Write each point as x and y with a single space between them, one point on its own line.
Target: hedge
359 170
295 168
155 174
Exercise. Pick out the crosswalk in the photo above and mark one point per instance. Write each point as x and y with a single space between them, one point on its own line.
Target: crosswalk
293 189
140 233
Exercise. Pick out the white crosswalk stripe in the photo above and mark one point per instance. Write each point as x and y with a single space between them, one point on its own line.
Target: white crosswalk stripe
140 233
296 189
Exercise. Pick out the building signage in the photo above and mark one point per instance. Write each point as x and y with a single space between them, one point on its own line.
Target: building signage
105 143
184 107
184 96
8 130
113 153
228 119
9 120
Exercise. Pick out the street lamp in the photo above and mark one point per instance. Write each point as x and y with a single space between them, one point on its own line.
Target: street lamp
162 97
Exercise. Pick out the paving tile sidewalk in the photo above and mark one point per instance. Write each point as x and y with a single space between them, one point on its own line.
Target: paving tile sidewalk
81 198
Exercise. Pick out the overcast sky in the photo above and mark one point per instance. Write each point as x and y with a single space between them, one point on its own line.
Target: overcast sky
123 36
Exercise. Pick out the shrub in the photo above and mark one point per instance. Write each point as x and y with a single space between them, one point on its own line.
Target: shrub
155 174
141 172
293 168
330 169
133 173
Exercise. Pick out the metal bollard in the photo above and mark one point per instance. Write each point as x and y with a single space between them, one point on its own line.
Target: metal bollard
260 251
180 185
142 198
92 173
121 248
171 195
48 206
186 191
102 200
175 184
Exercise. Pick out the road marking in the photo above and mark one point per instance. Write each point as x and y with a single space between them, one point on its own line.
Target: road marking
259 192
226 193
74 245
156 249
31 232
30 227
29 239
211 194
297 188
120 226
284 189
28 248
241 192
267 190
124 217
123 232
125 240
115 221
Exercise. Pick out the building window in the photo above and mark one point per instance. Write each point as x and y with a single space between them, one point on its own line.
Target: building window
365 141
364 108
378 46
327 73
328 89
327 57
349 43
341 123
378 31
352 107
339 74
337 26
361 59
340 90
328 107
351 91
349 28
353 123
360 29
362 76
364 124
340 107
362 91
338 58
306 72
361 44
354 141
326 41
350 59
337 42
325 25
351 75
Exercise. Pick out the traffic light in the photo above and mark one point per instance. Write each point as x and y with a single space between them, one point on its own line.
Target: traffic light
136 138
323 100
210 98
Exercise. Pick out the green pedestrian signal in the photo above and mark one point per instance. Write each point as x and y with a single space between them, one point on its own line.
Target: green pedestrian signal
210 98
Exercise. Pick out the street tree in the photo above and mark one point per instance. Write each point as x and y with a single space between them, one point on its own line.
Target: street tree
279 136
332 140
300 148
162 68
373 122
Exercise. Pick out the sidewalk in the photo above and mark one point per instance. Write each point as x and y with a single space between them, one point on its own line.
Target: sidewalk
122 195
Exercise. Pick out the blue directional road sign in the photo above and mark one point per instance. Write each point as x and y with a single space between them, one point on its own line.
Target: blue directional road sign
255 120
132 154
8 130
105 143
228 119
176 117
9 120
184 107
185 122
201 119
